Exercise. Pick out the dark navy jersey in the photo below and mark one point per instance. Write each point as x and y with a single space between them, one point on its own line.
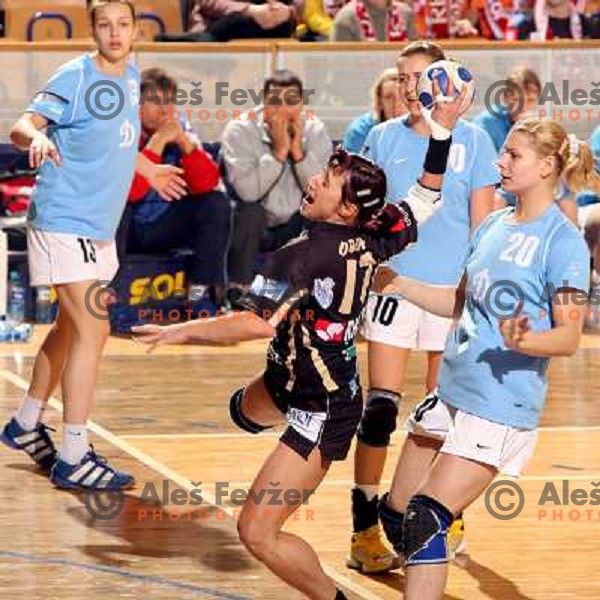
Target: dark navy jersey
318 285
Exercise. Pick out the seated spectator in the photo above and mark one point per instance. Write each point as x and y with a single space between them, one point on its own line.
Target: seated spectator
201 219
269 157
561 19
498 125
503 19
317 19
386 105
441 19
373 20
224 20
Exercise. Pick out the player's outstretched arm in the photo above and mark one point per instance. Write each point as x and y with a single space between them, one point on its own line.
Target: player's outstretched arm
27 134
440 300
236 327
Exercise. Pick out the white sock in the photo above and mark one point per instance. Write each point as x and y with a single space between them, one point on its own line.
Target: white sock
30 412
74 443
370 491
197 292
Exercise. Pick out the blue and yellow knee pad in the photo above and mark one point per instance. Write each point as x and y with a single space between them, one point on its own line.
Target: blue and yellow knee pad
425 531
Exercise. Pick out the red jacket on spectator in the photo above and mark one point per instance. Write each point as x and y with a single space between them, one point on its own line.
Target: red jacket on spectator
201 173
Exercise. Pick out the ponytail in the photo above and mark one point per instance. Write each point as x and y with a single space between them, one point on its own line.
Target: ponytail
580 172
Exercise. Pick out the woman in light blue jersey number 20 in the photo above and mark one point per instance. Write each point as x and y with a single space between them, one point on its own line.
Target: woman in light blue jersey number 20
521 301
86 160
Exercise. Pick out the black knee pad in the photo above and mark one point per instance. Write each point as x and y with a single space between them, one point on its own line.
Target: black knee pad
426 524
238 417
392 522
379 418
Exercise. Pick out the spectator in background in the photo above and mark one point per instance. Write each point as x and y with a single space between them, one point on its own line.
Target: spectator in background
200 219
269 156
386 104
224 20
441 19
562 19
317 19
498 125
503 19
374 20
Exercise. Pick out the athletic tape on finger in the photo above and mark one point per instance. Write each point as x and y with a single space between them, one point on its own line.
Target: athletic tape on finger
438 132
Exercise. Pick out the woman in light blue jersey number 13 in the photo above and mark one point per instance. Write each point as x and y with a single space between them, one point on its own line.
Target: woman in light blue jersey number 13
82 133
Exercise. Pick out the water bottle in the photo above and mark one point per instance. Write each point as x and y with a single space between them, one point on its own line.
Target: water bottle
43 305
16 298
21 333
10 332
5 329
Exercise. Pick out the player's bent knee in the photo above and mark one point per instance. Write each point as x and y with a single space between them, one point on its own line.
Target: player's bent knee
238 417
252 535
379 418
426 524
392 522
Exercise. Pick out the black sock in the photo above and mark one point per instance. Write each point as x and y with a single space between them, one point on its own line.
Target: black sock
340 595
365 513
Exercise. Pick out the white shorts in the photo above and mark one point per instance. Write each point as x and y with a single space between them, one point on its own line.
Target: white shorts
393 320
506 448
56 258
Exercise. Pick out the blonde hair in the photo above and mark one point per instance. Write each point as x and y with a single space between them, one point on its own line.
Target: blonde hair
574 159
376 91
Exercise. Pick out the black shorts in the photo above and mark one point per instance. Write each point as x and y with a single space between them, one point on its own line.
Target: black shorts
327 421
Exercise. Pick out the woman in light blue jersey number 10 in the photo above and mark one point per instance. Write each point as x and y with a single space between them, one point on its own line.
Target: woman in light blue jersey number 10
521 300
82 133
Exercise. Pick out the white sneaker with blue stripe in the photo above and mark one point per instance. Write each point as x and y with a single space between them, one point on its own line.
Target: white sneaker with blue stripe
37 443
92 472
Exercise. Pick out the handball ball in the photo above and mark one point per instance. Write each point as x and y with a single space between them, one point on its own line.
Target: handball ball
444 71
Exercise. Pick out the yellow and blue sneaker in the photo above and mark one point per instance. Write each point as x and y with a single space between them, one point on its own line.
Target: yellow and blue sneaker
370 554
457 544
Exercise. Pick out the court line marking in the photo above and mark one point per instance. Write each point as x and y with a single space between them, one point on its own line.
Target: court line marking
350 483
156 579
166 436
168 473
170 436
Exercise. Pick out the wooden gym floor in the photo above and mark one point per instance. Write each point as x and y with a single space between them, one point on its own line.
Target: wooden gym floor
165 417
